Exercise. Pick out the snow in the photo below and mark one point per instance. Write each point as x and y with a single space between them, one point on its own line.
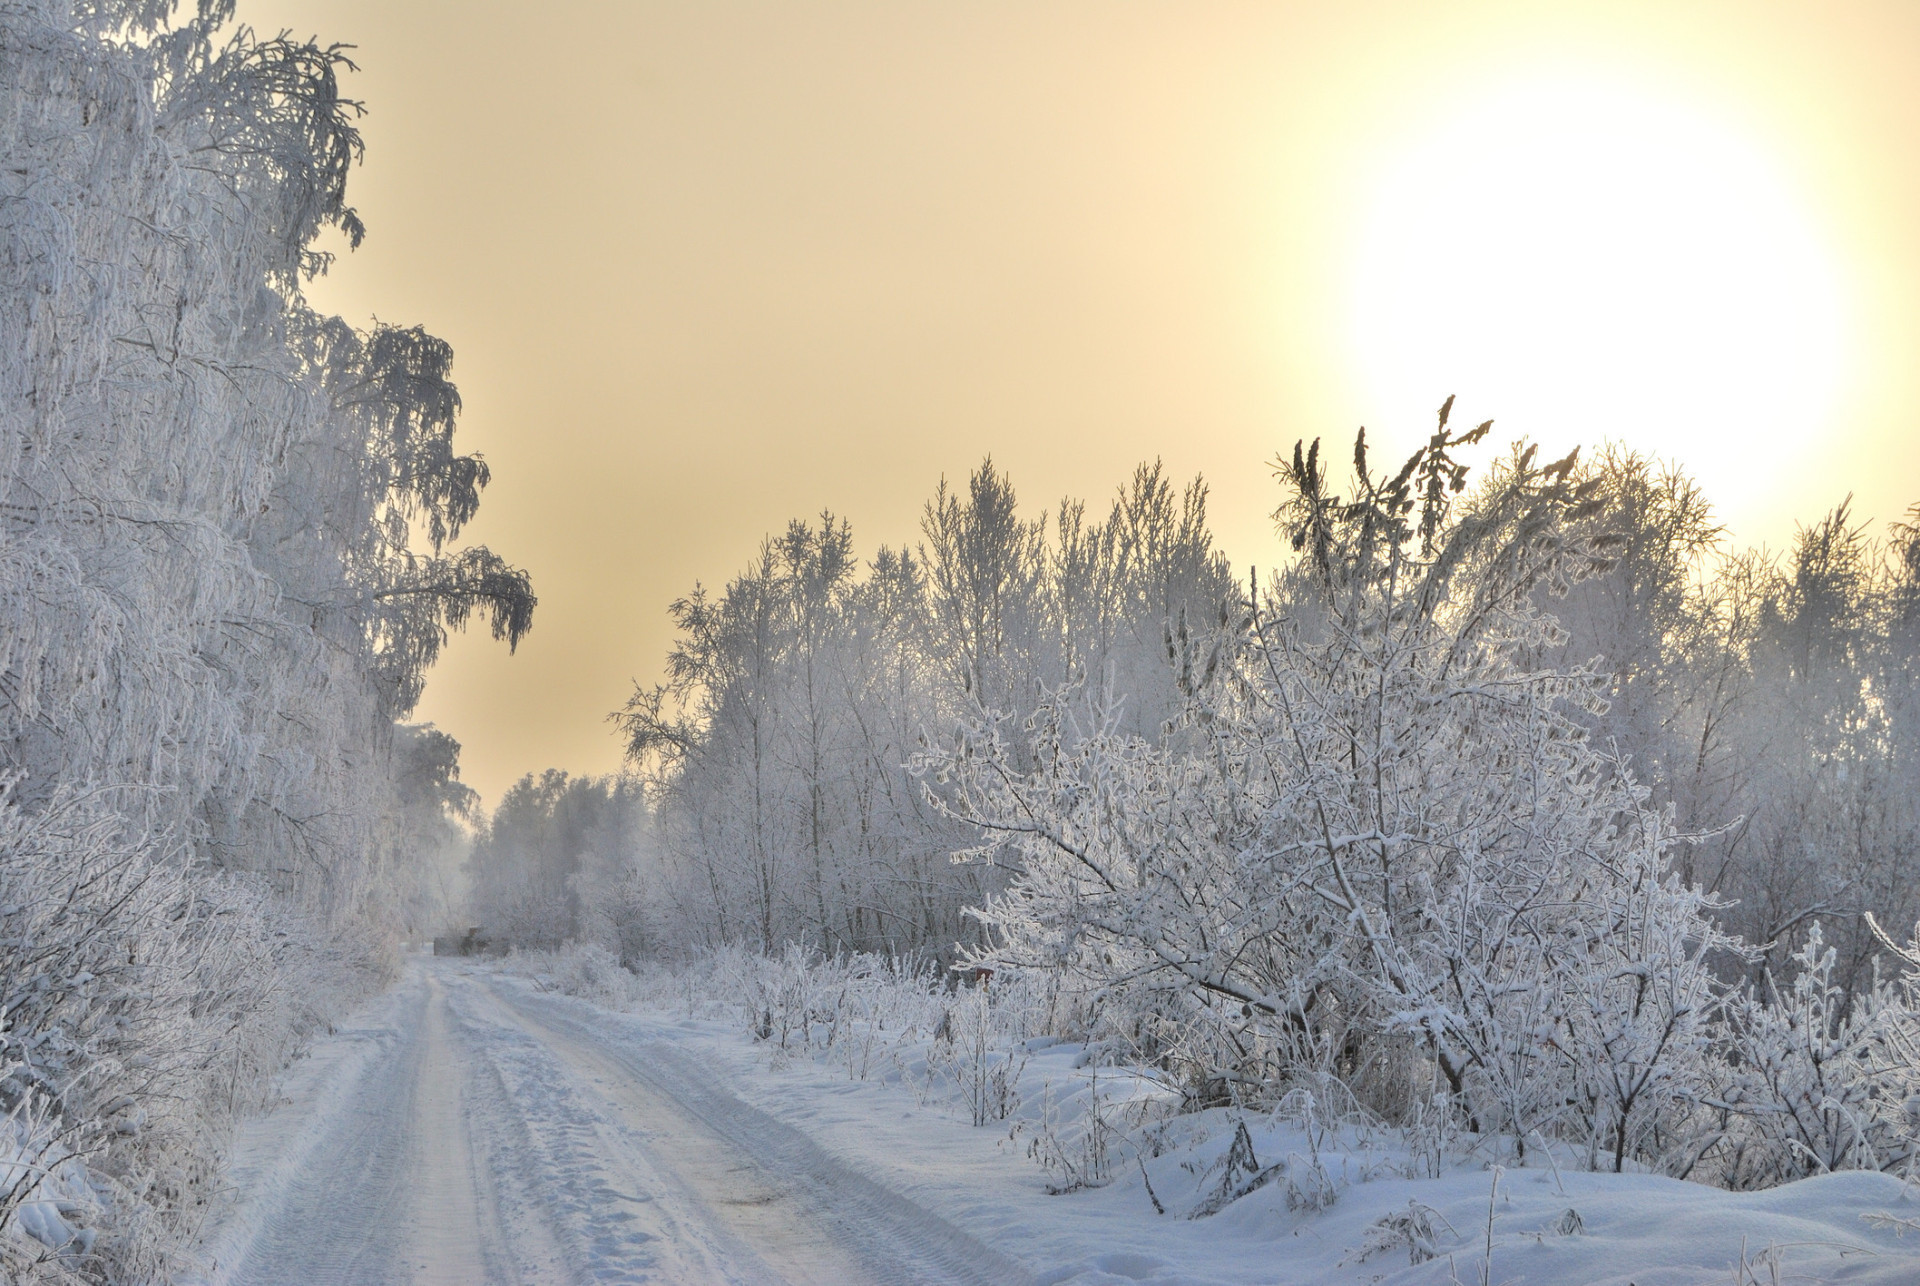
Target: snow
1641 1229
471 1125
276 1156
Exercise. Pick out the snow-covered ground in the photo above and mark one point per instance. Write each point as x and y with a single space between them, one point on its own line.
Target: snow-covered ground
471 1127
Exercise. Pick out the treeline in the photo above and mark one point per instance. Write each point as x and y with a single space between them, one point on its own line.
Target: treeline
1519 788
226 562
773 798
1766 699
779 754
560 861
1771 700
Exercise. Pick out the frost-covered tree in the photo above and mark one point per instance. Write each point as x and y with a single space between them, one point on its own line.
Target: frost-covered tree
1834 823
553 863
225 564
431 826
1768 700
212 579
777 749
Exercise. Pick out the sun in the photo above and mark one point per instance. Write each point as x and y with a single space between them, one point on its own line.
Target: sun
1589 261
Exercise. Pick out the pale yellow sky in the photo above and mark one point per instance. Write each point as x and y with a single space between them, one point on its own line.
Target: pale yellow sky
709 265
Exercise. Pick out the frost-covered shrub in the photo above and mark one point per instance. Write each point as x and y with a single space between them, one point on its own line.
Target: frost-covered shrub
582 969
801 1001
1815 1085
1077 1143
1374 822
143 1009
975 1052
854 1010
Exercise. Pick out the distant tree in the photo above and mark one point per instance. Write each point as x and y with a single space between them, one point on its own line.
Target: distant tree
551 863
777 749
434 813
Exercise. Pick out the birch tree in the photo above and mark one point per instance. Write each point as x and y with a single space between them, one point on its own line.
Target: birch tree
226 560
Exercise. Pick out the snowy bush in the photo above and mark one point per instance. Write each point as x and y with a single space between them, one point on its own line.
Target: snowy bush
143 1011
973 1051
1816 1085
1374 821
586 970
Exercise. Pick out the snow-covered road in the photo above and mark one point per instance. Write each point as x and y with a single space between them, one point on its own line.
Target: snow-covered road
476 1131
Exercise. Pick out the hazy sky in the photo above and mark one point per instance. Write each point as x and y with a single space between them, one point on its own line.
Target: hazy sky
709 265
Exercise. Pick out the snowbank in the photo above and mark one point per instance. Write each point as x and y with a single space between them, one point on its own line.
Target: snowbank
1126 1180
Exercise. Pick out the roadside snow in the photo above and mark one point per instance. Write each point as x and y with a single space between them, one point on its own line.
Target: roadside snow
472 1126
1543 1225
272 1151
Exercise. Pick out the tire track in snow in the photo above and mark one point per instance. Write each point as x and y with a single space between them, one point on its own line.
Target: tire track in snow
446 1242
382 1188
561 1180
386 1194
595 1155
807 1216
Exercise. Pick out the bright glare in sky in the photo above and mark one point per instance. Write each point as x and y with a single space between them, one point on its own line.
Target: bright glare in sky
1588 262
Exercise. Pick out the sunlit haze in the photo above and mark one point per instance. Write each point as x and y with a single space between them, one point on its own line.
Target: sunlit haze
1590 259
708 267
